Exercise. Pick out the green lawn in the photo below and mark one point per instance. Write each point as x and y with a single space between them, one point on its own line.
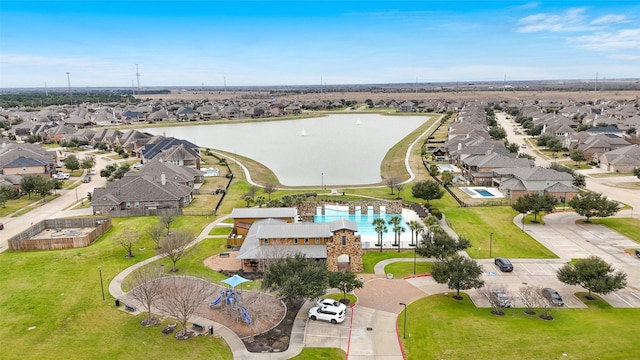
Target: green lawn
220 230
477 224
371 258
625 226
58 293
321 354
439 327
402 269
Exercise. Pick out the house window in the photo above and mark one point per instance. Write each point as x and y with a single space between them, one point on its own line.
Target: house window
295 240
306 241
128 205
137 204
317 240
265 241
344 240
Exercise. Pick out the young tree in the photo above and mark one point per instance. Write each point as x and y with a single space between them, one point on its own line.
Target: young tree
497 304
399 186
530 297
156 233
261 200
416 228
440 245
344 281
554 145
591 204
28 184
380 226
269 188
146 289
534 203
394 222
577 156
433 170
72 163
513 148
7 193
296 277
175 245
593 274
44 187
391 183
253 189
579 180
166 221
427 190
636 172
248 199
88 162
459 273
127 241
446 177
181 296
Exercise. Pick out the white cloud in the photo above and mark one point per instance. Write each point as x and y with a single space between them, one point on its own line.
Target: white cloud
609 19
625 57
570 20
623 39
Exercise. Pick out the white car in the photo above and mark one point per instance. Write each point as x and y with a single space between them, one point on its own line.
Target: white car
331 314
331 302
61 176
136 166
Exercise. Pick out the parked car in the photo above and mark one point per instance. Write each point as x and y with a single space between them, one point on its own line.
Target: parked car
524 146
331 302
1 226
92 172
553 296
136 166
331 314
638 253
86 179
504 264
501 298
61 176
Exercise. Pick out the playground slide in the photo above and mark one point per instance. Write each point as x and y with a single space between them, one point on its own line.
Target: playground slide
215 302
245 315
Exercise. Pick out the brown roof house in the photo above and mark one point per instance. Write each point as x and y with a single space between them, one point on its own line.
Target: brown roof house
624 159
517 182
273 233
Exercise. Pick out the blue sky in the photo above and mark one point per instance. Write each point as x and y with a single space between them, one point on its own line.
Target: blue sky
195 43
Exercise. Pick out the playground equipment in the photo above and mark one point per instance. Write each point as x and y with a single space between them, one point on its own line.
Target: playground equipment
231 299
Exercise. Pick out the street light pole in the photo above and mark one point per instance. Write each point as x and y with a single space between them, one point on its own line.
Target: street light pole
490 243
415 245
101 283
404 331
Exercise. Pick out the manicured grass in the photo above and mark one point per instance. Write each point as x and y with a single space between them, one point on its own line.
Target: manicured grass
509 240
439 327
625 226
321 354
220 230
371 258
59 293
402 269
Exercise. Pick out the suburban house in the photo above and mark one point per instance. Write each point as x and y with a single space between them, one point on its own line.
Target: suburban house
156 186
25 159
479 169
265 234
517 182
624 159
156 147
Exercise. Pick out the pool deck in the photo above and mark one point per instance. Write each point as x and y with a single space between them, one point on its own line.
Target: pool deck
473 192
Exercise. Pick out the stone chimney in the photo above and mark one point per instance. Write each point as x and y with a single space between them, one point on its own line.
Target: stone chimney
163 179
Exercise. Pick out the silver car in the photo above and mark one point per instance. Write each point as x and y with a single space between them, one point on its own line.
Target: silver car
553 296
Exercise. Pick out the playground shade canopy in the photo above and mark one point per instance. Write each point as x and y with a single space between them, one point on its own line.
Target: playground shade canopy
235 280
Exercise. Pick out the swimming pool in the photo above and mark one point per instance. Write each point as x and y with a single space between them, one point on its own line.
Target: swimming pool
365 227
482 192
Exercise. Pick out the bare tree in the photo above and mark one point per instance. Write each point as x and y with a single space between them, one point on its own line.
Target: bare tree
269 188
546 306
127 241
181 297
156 233
166 221
392 183
399 186
498 299
530 297
253 189
146 289
174 246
